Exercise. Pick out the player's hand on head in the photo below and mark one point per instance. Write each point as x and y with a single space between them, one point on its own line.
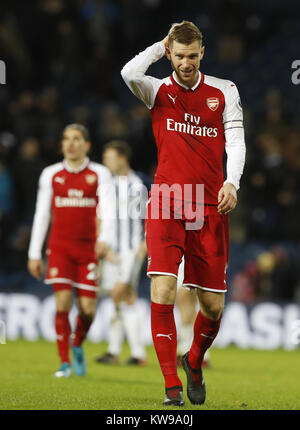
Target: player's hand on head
227 198
35 268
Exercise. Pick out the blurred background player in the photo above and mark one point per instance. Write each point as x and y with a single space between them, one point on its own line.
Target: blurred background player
68 196
121 269
187 305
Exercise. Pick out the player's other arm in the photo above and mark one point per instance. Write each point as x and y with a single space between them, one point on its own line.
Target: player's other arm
40 225
106 211
133 73
235 149
102 247
142 251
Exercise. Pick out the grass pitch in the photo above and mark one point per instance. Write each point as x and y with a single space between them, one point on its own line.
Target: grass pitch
238 380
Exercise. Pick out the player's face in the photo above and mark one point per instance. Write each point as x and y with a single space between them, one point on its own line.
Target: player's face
74 146
185 60
113 160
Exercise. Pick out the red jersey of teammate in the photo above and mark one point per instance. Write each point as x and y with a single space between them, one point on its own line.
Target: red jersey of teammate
74 203
192 126
70 198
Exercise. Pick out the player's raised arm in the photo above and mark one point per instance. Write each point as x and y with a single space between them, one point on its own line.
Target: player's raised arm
143 86
40 224
235 148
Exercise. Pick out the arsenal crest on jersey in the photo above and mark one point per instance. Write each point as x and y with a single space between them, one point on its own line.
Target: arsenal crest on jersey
90 179
212 103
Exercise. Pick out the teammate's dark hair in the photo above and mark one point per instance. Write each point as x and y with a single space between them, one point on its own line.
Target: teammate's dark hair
83 130
184 32
120 146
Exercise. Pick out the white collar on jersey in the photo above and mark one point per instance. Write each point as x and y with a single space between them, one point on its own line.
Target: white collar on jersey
80 168
184 86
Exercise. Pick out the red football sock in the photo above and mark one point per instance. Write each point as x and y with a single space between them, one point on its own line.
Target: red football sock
165 342
205 331
63 331
82 327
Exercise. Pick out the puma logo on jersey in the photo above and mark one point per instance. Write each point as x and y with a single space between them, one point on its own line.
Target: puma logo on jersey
165 335
59 179
172 98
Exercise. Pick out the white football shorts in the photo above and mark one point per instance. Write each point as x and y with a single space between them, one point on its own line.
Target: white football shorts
127 270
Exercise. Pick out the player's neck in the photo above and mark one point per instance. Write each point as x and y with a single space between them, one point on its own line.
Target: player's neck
75 164
189 84
124 171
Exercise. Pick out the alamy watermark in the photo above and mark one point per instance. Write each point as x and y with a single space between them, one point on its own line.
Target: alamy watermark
296 73
2 72
132 201
2 333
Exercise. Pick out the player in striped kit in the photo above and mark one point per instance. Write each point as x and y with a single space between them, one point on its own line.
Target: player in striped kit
68 196
195 118
121 269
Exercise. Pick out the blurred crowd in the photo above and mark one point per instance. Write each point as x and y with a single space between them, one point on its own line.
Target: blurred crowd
63 61
269 273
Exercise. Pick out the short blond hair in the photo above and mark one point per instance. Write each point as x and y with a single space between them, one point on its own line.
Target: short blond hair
184 32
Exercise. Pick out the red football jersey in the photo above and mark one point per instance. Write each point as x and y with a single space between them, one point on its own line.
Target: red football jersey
192 126
69 199
74 203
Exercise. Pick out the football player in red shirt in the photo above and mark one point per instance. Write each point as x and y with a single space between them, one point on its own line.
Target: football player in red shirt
195 118
68 196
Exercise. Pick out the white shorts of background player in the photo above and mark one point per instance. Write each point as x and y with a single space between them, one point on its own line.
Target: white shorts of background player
127 270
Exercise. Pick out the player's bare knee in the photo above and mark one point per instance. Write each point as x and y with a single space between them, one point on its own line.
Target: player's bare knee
88 312
163 289
63 301
63 307
213 310
87 307
211 303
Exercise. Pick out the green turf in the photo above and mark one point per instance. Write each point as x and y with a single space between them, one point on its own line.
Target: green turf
239 379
